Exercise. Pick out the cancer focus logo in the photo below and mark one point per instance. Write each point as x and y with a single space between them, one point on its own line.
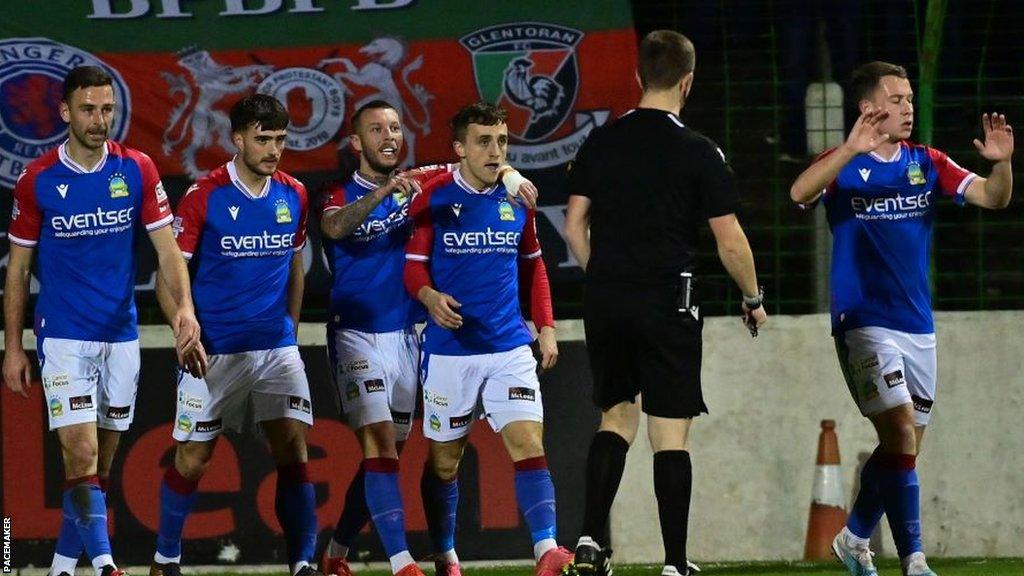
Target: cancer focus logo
530 69
32 72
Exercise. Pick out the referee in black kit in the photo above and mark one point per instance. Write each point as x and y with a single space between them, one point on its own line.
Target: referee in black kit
639 188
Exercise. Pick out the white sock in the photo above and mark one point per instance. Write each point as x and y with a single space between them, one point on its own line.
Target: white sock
450 556
63 564
298 566
400 560
854 540
541 548
161 559
335 550
100 561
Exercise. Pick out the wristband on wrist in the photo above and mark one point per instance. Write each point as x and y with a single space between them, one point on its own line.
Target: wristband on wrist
754 302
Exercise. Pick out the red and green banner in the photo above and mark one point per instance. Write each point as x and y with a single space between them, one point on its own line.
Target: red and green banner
559 68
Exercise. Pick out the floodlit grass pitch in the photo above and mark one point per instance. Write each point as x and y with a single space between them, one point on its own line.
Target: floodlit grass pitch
886 567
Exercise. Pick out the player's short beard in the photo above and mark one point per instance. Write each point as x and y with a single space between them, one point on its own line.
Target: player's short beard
255 167
83 139
379 167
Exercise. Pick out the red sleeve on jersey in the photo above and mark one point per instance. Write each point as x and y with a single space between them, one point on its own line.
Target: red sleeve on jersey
335 194
416 275
156 209
421 243
831 187
300 234
953 178
188 226
424 174
26 219
529 244
534 274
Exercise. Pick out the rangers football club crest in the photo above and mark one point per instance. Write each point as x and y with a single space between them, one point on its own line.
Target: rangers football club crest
32 73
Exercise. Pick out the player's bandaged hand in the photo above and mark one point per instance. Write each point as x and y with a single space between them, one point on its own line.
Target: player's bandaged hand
520 188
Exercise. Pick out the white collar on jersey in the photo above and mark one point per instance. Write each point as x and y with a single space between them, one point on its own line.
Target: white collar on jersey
66 159
895 156
362 181
233 174
466 186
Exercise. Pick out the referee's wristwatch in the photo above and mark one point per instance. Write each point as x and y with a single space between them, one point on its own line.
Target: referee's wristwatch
753 302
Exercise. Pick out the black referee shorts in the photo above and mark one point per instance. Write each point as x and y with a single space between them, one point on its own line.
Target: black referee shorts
639 343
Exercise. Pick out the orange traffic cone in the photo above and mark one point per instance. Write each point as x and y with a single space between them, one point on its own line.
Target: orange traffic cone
828 500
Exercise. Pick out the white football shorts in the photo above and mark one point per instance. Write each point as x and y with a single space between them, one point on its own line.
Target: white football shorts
886 368
272 382
86 381
376 376
502 387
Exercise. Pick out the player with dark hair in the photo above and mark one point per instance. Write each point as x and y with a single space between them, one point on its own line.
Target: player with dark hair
880 192
470 250
372 342
82 205
632 222
243 228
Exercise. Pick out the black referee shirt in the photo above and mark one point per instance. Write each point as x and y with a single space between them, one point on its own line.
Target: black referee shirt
651 182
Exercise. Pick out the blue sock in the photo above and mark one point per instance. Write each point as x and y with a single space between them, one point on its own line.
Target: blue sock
867 509
85 503
384 501
355 514
901 498
440 503
535 494
295 506
177 497
69 544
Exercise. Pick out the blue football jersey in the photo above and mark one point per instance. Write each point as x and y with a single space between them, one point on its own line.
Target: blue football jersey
367 293
881 213
472 240
84 225
242 247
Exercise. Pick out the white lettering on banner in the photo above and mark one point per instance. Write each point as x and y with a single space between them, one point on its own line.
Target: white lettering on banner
381 4
105 9
556 152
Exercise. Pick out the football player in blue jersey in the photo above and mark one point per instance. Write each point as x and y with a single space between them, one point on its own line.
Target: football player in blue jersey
372 342
470 250
880 192
81 206
243 228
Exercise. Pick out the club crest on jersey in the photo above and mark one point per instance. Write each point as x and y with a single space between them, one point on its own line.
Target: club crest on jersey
31 74
185 423
435 423
118 186
283 212
56 408
914 174
505 211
